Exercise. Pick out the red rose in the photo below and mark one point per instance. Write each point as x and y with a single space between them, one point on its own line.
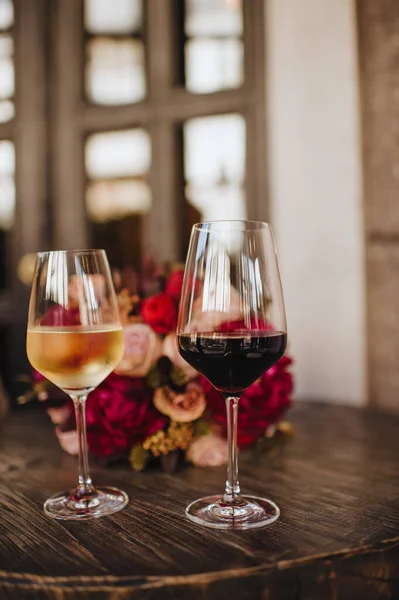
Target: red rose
174 284
261 405
159 312
120 413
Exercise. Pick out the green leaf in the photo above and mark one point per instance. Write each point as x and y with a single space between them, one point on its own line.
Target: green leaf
138 457
178 377
201 427
154 379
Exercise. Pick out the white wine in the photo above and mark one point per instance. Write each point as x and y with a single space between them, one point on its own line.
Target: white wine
75 358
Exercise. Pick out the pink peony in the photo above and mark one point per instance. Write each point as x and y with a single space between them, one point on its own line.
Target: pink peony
142 349
170 349
183 407
60 414
208 451
69 440
120 413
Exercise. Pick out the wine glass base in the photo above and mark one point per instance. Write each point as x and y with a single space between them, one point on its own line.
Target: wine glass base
68 506
251 512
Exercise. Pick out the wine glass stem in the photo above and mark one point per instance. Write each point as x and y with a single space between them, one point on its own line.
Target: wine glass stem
85 486
232 490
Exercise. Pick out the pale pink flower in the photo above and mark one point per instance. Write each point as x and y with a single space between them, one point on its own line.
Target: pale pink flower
142 349
59 415
69 440
170 349
182 408
208 451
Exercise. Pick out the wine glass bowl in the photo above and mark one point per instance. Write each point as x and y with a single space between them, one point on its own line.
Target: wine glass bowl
75 340
232 328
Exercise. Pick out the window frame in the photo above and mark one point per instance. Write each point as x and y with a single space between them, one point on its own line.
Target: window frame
163 113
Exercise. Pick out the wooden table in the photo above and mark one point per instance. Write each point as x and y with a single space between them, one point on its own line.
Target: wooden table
337 484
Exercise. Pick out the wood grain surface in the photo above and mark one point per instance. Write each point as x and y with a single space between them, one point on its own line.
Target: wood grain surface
336 482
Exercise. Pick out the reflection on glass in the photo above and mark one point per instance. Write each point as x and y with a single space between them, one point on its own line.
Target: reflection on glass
115 71
213 18
117 199
118 154
6 14
7 184
214 165
214 48
6 67
116 16
212 65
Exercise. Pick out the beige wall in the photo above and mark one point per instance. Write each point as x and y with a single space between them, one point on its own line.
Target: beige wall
315 191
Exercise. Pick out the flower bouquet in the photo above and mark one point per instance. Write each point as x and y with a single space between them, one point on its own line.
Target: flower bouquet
155 406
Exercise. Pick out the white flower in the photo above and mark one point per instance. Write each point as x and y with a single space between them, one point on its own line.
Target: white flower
208 451
69 440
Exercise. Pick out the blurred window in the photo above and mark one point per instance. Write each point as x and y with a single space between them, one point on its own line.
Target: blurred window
118 195
116 16
7 207
151 116
7 185
115 57
214 166
214 48
7 83
7 150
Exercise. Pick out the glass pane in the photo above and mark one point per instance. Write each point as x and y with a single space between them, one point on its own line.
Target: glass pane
7 185
213 18
113 16
213 65
118 195
7 110
6 14
214 49
6 67
116 199
118 154
214 166
115 71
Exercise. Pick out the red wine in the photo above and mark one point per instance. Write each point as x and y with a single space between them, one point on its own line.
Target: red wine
232 361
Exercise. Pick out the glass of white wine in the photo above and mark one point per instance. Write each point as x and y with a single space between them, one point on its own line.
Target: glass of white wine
75 340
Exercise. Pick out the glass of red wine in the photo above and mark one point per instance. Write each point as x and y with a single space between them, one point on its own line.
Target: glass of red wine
232 328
